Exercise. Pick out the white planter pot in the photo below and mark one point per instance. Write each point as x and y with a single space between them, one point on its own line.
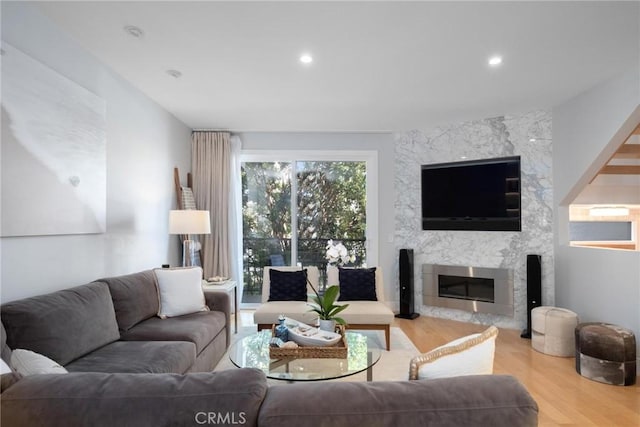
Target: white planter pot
328 325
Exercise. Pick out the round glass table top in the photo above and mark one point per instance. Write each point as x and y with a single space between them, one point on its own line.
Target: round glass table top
253 352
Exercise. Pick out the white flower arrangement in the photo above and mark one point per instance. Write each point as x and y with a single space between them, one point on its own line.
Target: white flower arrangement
337 254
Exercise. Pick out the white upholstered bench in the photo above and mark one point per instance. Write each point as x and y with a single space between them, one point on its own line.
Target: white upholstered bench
268 312
369 315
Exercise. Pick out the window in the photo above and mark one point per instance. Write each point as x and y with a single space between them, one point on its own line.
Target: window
605 226
293 203
591 231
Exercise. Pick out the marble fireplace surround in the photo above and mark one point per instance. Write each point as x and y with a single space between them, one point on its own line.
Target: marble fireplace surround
503 136
502 279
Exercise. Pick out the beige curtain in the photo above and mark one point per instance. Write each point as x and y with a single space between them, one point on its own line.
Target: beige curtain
211 168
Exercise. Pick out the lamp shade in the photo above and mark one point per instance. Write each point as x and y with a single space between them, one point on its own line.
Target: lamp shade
189 222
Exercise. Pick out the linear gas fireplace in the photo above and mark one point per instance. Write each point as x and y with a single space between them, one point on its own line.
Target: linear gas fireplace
476 289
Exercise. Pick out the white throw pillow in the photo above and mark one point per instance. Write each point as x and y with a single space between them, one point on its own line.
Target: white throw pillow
470 355
27 362
4 368
180 291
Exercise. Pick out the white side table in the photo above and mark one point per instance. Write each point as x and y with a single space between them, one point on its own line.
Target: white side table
226 286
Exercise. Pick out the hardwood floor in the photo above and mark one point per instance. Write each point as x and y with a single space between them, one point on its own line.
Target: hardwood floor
564 397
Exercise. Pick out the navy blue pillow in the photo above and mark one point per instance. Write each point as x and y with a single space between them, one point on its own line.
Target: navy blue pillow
288 285
357 284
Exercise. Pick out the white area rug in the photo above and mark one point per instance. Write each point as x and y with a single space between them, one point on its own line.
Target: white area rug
392 366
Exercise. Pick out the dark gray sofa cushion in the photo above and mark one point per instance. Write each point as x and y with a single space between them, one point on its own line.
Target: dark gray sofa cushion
5 351
135 298
95 399
220 301
477 400
6 380
138 357
211 355
199 328
9 379
63 325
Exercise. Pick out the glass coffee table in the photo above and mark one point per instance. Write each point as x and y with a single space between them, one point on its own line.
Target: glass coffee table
253 352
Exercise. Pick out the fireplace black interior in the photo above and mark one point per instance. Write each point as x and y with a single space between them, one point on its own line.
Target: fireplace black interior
470 288
467 288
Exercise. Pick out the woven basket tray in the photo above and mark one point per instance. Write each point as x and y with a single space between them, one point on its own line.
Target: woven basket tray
337 351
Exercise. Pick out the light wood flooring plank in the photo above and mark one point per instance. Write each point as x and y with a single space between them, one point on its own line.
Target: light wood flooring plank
564 397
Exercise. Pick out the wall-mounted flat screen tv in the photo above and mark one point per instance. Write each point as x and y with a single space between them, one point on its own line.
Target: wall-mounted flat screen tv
472 195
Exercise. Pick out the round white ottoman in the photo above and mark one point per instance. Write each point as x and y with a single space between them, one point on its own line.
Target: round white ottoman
553 331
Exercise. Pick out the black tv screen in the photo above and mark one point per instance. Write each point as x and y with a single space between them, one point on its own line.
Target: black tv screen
472 195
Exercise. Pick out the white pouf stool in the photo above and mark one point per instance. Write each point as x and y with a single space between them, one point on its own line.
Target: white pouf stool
553 331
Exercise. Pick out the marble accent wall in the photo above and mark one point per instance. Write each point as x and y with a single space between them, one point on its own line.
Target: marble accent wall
480 139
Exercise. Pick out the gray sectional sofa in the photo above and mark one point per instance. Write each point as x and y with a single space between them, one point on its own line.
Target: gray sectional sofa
242 397
111 325
130 368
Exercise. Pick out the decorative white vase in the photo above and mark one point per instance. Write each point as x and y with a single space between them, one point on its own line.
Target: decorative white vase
328 325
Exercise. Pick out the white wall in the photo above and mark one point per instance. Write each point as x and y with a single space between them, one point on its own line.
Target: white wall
380 142
588 129
144 143
612 190
599 284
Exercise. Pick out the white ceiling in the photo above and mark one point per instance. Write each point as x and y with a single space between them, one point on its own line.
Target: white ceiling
377 65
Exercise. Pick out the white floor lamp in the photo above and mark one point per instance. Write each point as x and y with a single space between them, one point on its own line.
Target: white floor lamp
187 223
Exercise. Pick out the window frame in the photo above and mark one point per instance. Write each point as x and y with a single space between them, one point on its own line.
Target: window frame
293 156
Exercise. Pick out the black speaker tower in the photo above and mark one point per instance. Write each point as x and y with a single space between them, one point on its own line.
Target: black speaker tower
534 289
406 285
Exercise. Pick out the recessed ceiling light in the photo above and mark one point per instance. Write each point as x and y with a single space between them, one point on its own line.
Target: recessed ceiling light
134 31
532 140
494 61
174 73
306 58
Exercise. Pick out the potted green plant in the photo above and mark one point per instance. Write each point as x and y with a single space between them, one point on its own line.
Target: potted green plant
327 309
